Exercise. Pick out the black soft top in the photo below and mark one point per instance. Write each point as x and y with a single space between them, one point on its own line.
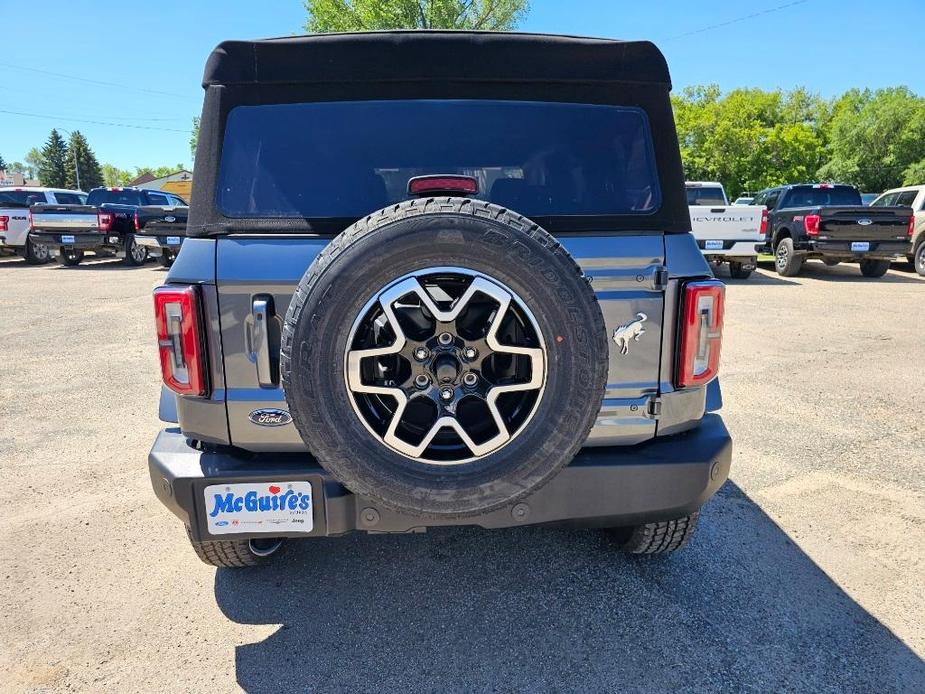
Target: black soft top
413 65
434 56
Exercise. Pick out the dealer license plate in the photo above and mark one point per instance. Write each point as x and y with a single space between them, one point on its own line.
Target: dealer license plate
713 245
173 240
860 246
67 238
259 507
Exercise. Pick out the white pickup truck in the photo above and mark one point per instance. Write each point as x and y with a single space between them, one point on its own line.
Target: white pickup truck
726 233
15 227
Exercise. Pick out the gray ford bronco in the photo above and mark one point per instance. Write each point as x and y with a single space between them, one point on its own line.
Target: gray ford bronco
437 279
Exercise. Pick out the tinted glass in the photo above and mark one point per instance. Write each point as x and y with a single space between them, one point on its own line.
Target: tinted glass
885 200
177 202
68 199
117 197
807 196
773 197
157 199
18 199
347 159
906 198
705 195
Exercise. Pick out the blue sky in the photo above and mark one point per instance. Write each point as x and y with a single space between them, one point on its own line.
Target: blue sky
825 45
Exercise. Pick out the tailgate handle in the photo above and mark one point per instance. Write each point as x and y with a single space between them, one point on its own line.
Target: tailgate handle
259 339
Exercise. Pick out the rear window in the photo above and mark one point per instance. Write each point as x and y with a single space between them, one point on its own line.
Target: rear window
808 196
346 159
18 199
705 195
118 197
69 199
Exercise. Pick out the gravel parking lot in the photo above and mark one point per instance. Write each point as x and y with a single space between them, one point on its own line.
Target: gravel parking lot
807 573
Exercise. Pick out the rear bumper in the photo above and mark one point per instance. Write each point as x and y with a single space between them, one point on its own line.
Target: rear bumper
81 242
662 479
878 250
157 244
737 250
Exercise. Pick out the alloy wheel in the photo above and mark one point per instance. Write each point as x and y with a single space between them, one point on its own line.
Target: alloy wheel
445 365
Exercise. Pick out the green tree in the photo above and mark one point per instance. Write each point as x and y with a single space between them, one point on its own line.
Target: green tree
914 174
51 168
114 176
368 15
749 139
2 163
81 163
33 161
194 138
876 139
19 167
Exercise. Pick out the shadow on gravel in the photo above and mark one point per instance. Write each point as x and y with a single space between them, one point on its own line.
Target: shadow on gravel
846 272
536 609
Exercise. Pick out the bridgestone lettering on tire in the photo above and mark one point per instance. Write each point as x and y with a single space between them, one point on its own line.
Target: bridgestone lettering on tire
553 350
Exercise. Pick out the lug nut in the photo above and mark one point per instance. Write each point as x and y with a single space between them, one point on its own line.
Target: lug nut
470 379
421 381
421 353
445 339
470 352
446 394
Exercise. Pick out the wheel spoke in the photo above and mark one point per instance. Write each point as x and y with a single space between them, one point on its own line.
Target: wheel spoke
445 361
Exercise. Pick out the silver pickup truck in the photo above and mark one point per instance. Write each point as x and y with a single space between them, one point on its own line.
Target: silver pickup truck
108 222
453 287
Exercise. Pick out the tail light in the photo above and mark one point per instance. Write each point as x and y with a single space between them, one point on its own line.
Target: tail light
180 339
137 222
701 332
104 221
811 224
4 223
763 229
911 228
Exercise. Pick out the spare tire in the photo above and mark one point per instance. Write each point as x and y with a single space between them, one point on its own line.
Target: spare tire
445 357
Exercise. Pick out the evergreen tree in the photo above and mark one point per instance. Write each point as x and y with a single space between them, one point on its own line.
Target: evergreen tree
51 169
2 163
81 163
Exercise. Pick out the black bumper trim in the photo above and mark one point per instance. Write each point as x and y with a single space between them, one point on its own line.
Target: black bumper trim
82 242
661 479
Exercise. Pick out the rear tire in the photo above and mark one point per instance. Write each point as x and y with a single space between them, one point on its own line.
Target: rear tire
918 258
874 268
36 253
236 554
786 261
660 537
70 258
737 272
135 255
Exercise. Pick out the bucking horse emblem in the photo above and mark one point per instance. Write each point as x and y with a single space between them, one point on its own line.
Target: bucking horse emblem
629 331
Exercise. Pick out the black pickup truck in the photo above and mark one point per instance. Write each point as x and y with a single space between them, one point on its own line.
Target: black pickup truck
829 222
162 231
107 223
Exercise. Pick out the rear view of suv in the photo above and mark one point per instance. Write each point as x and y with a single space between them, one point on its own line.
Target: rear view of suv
454 285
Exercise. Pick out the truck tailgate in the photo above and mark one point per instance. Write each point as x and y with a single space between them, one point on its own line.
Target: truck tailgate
70 217
726 223
864 223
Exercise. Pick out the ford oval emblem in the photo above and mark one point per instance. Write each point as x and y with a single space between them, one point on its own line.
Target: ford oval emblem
270 417
865 222
169 218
